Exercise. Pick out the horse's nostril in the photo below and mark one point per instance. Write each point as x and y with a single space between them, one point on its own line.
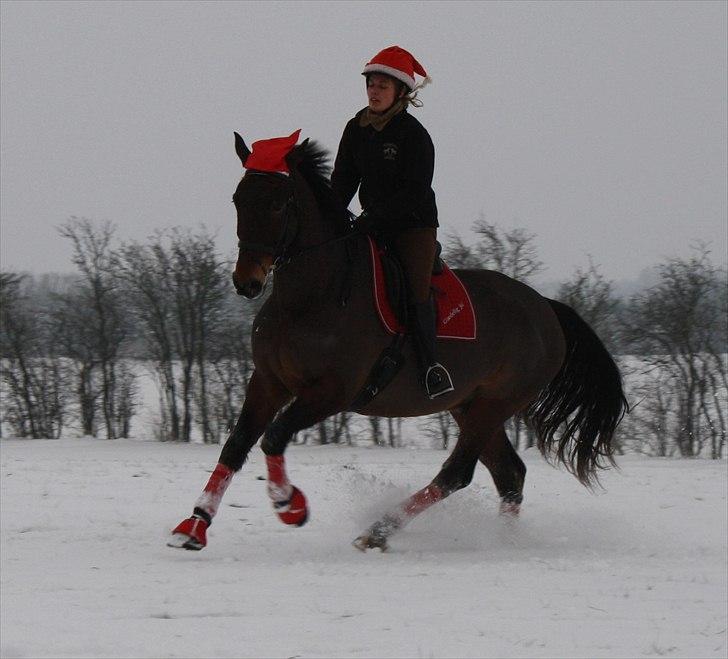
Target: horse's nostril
253 289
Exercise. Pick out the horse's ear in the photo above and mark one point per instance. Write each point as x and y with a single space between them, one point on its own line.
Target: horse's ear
240 148
296 155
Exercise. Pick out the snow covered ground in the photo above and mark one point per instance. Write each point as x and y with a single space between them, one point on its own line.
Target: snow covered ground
638 569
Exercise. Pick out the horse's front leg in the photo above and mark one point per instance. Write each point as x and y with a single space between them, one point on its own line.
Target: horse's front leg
311 407
262 401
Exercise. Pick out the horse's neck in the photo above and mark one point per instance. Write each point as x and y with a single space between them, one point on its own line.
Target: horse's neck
315 274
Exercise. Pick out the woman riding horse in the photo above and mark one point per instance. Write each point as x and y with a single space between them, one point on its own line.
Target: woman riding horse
317 335
389 156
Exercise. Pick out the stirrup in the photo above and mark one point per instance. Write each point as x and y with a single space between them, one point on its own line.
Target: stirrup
438 381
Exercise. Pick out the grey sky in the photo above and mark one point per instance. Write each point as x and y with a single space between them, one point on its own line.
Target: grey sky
600 127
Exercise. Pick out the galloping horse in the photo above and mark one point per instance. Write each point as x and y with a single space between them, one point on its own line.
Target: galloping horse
317 336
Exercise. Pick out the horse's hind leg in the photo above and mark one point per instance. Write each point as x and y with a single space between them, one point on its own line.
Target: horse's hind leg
507 470
456 473
477 424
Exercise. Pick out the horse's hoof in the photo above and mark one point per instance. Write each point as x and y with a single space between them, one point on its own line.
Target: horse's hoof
190 534
181 541
293 512
376 536
364 542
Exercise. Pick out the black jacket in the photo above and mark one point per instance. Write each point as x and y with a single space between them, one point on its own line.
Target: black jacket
393 170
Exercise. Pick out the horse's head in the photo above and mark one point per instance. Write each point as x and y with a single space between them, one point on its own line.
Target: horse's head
265 202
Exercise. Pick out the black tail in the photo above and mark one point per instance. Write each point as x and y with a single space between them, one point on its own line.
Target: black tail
585 397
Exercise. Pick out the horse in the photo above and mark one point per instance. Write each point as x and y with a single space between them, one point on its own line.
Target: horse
317 335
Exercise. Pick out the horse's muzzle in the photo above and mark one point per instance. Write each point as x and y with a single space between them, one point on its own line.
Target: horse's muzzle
251 289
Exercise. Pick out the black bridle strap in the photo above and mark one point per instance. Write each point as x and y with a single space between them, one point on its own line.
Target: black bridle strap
289 231
256 247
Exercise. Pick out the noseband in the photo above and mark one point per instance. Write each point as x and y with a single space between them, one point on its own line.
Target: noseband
289 230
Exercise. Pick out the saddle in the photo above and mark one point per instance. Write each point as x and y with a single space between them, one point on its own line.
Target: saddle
455 313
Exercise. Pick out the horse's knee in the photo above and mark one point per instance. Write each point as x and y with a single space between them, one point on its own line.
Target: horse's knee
276 438
234 453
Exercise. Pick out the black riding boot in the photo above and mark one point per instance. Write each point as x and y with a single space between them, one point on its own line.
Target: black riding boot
436 378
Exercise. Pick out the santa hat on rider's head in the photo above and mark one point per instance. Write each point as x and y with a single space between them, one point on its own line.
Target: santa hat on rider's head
398 63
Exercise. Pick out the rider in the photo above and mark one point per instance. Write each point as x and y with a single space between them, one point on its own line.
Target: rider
389 156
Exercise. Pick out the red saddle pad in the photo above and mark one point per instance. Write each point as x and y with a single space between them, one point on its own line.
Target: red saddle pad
455 314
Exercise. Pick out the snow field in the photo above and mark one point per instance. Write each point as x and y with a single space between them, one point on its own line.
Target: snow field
637 569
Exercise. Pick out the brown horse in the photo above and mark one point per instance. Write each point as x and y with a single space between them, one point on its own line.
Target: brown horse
317 336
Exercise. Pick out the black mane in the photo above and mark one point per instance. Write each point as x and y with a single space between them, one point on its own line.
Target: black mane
316 170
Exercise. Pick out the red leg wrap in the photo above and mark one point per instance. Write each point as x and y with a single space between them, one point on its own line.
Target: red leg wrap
422 500
510 508
212 495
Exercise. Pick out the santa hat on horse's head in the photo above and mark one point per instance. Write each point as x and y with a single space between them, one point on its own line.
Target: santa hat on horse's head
270 155
398 63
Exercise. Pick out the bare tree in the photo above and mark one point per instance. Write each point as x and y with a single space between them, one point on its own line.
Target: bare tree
230 366
201 284
33 373
592 296
440 428
513 252
97 326
375 425
145 270
177 286
678 328
78 340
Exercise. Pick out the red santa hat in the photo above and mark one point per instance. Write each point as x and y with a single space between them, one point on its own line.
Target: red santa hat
398 63
270 155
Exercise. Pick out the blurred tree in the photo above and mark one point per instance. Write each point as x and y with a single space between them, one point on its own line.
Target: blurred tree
177 286
230 365
96 327
593 298
144 271
34 376
440 428
678 328
201 283
513 252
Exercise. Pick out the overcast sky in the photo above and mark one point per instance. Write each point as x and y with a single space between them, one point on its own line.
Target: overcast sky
600 127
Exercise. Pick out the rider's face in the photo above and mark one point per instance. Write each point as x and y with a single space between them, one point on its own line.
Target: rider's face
382 92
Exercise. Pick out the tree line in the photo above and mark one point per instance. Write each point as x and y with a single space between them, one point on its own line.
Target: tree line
71 347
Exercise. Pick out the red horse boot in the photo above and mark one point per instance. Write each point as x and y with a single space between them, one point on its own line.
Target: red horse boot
288 501
192 532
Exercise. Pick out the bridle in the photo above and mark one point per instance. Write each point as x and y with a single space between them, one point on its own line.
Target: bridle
289 231
281 250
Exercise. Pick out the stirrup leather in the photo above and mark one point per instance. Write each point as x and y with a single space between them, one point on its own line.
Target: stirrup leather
438 381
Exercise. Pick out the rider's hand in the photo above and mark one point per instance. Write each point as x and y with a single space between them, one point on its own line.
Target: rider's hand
365 223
